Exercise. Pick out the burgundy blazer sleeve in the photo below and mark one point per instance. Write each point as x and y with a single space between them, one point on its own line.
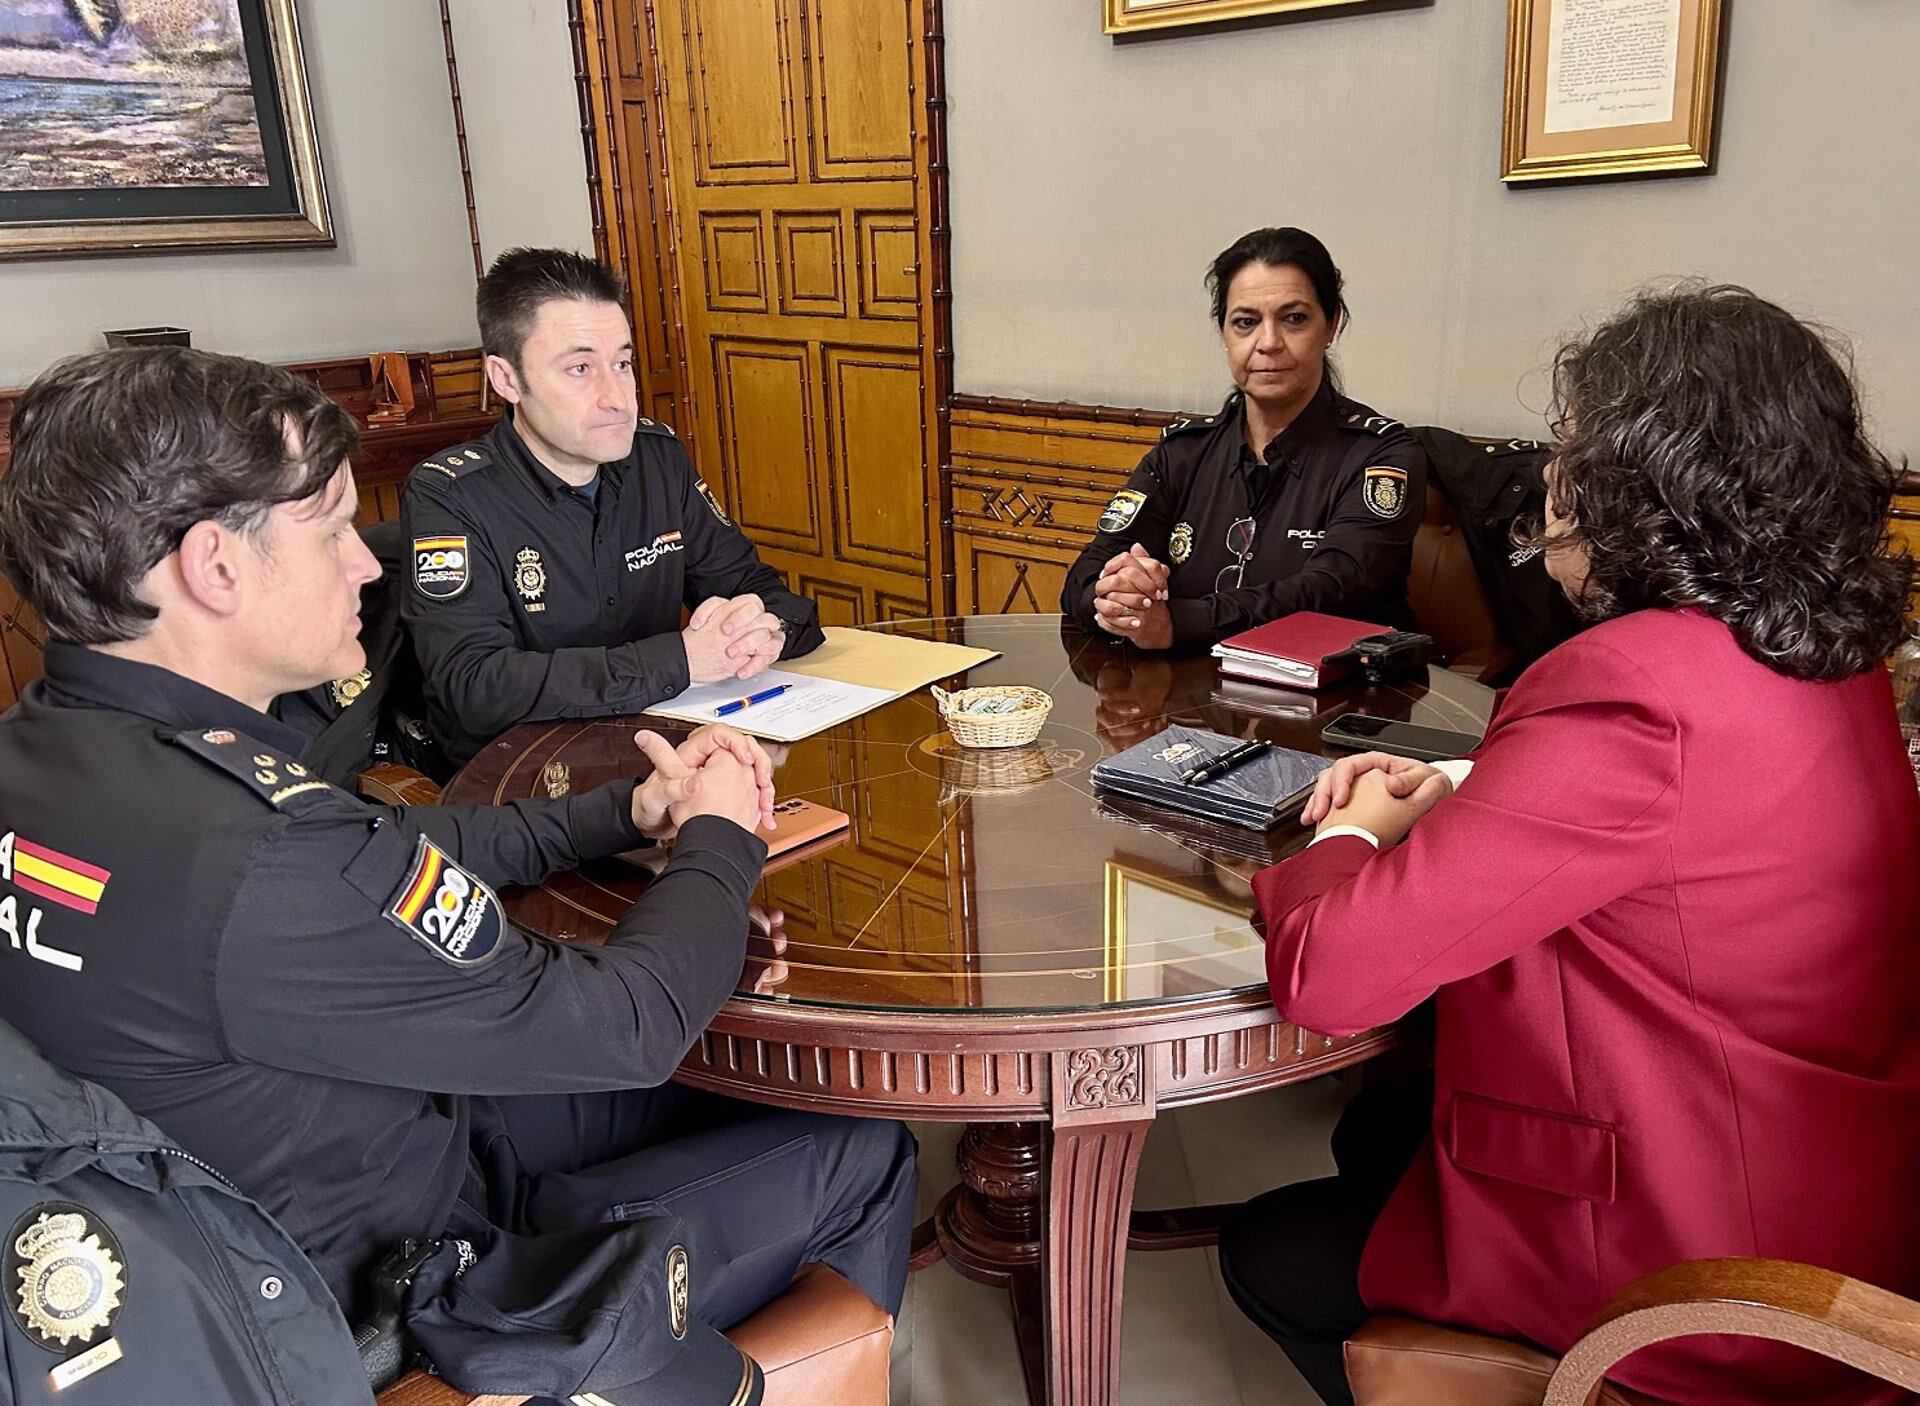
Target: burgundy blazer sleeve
1570 805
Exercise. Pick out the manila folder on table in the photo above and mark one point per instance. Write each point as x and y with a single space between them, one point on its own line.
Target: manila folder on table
897 663
854 672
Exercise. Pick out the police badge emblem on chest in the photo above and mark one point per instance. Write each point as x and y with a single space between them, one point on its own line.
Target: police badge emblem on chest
348 690
530 579
1385 491
454 914
1180 544
66 1274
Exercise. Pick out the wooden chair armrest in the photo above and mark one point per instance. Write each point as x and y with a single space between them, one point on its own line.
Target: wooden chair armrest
419 1389
1824 1312
395 785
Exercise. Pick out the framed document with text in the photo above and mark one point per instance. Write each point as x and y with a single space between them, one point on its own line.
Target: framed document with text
1137 16
1599 88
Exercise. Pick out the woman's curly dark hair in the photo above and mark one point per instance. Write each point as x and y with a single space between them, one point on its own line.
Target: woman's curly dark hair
1715 459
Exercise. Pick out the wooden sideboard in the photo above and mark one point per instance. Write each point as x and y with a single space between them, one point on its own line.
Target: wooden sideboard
450 405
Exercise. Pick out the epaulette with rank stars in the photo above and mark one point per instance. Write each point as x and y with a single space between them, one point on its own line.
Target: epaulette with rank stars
461 459
660 427
275 779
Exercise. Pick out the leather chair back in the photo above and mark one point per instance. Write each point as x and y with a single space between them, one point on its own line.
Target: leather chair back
1446 596
1409 1362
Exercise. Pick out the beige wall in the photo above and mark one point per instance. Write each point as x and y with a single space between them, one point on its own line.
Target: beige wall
1092 181
402 276
523 124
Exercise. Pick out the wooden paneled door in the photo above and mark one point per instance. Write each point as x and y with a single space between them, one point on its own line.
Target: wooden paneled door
769 180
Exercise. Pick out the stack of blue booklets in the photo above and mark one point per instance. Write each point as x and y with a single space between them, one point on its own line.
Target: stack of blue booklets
1266 784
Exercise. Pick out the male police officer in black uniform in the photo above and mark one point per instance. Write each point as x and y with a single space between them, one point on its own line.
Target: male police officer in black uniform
321 998
1291 498
552 557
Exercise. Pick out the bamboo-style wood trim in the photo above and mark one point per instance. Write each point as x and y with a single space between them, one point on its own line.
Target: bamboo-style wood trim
460 140
1064 410
603 247
937 298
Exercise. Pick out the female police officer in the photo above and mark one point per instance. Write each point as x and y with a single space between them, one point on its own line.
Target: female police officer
1291 497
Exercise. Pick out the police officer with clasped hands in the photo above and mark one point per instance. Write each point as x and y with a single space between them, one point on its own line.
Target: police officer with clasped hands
321 998
553 556
1290 497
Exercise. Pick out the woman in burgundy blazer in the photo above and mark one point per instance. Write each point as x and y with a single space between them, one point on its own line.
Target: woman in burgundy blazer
1670 920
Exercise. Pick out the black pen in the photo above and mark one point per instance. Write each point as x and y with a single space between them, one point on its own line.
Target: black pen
1223 763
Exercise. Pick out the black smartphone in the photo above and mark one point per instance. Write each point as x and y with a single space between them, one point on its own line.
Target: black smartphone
1365 733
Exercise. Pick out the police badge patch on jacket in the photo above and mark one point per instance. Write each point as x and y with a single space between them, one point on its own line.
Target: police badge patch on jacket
133 1273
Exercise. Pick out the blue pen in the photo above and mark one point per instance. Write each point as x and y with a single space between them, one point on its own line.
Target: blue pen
761 697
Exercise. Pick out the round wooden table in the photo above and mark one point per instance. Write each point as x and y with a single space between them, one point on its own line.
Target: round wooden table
994 944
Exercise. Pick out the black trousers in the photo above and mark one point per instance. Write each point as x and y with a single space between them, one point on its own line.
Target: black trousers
1291 1258
763 1191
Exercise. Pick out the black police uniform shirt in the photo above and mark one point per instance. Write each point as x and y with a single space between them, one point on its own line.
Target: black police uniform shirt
301 988
1336 499
532 599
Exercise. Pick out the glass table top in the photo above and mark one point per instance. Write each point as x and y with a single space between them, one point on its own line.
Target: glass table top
991 880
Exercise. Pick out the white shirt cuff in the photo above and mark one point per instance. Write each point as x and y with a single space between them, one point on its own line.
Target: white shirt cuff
1354 830
1455 771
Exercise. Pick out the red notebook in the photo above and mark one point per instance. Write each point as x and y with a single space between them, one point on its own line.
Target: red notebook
1293 650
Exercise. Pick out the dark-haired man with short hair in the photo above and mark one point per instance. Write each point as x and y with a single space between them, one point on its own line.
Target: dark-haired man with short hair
553 556
322 998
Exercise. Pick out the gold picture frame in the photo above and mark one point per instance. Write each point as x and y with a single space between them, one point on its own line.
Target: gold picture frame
279 202
1141 16
1126 880
1568 119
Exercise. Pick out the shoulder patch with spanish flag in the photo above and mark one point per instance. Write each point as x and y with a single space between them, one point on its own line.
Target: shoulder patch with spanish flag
454 914
700 487
1385 490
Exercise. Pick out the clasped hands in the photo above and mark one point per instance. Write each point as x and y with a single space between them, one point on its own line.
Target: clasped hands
1130 599
717 770
1381 794
731 638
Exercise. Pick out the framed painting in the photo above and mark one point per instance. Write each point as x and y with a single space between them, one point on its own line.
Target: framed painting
1608 88
1137 16
138 126
1167 930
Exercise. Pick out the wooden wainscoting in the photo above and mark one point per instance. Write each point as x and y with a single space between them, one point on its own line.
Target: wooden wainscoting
450 405
1028 480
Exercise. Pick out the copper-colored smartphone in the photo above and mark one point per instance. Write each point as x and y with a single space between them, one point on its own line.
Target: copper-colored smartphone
797 822
800 830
